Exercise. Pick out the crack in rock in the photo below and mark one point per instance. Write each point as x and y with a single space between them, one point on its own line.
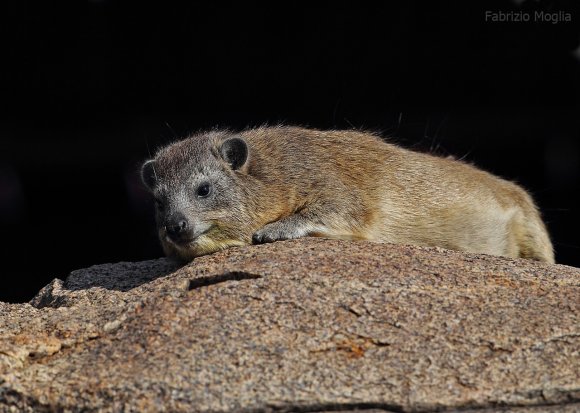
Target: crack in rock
221 278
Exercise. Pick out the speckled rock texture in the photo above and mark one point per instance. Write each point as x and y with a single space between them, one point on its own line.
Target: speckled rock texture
309 325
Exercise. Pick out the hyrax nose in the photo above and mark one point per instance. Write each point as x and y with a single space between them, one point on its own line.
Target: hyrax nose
178 228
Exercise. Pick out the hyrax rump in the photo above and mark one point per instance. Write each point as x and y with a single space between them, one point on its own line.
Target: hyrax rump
219 189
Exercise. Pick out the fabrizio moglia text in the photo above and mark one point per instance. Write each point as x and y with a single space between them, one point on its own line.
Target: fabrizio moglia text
527 16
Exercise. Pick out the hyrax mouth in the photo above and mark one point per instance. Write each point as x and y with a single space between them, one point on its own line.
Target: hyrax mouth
186 241
202 245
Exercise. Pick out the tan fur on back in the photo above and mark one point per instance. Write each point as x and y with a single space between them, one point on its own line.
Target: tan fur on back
397 195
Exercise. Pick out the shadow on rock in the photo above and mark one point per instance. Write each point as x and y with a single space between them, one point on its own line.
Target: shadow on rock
123 276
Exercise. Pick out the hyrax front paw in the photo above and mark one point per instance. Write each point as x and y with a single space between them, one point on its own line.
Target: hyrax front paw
276 231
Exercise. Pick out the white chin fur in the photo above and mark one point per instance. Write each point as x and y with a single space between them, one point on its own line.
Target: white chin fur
202 245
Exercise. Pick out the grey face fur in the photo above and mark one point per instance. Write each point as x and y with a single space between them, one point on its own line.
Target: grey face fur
195 183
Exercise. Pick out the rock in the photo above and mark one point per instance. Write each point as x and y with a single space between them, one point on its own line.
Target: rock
309 325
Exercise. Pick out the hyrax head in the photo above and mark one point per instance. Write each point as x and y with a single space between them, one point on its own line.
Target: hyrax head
198 187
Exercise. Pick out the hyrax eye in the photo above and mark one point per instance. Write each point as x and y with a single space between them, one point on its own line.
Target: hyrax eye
203 190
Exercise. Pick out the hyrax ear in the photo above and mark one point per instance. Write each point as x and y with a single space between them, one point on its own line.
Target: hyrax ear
148 175
235 152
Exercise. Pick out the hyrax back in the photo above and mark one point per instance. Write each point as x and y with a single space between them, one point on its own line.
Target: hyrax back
220 189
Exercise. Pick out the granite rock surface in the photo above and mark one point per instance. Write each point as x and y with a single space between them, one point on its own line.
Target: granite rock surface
310 325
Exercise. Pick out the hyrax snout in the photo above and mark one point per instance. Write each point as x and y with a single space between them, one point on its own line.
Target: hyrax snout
220 189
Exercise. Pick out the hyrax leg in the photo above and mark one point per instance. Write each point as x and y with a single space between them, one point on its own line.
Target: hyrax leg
295 226
324 220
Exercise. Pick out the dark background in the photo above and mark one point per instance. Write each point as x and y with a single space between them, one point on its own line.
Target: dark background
88 90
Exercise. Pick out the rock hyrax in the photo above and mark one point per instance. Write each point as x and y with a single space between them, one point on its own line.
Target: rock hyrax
219 189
